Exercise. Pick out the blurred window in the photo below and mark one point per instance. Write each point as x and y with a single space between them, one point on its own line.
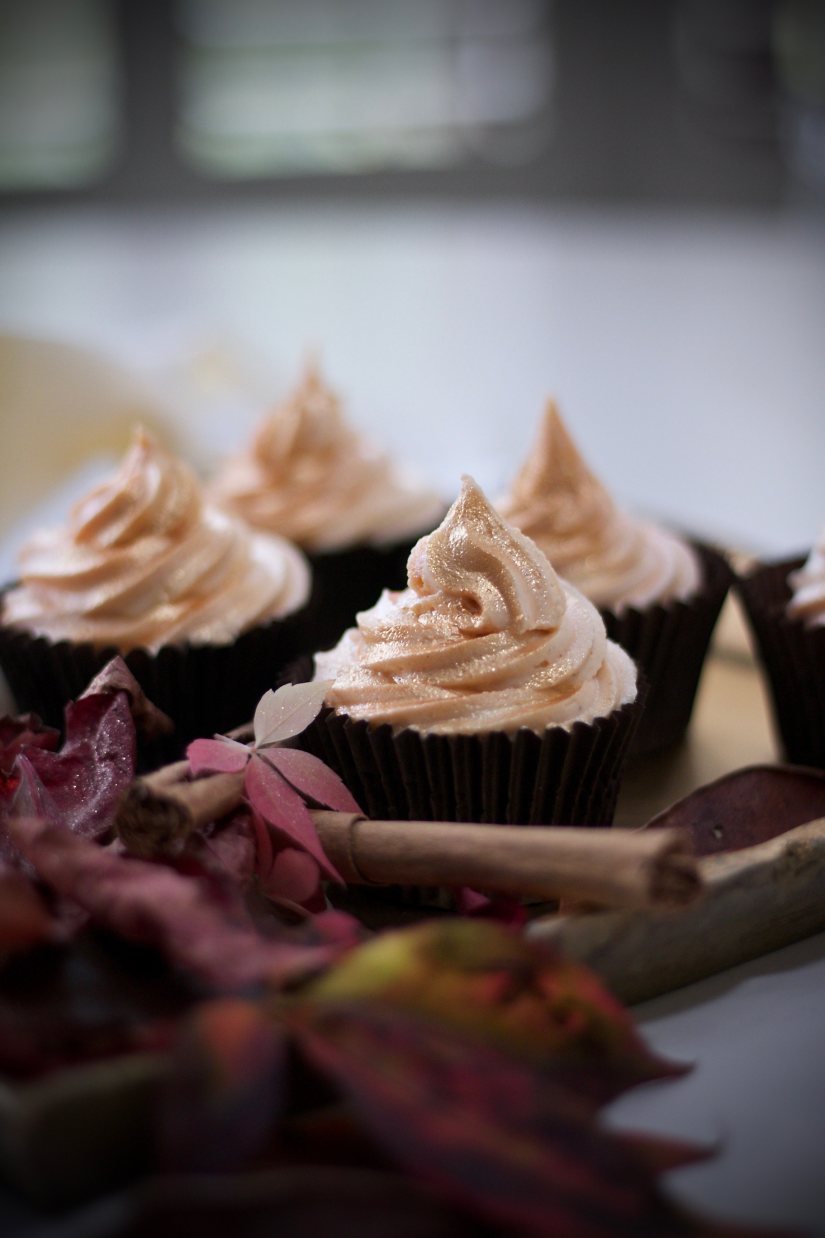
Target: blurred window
296 87
58 93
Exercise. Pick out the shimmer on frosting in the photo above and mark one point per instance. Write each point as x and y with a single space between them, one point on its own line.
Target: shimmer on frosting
146 562
310 477
808 585
485 638
615 559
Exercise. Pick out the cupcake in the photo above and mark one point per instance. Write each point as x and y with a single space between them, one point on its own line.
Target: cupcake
203 610
785 605
659 595
309 476
485 691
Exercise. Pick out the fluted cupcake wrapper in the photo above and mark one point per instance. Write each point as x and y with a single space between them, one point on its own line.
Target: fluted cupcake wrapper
203 688
669 644
558 777
792 654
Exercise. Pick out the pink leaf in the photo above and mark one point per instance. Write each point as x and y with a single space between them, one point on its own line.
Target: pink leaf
217 756
284 809
264 851
310 776
287 712
294 876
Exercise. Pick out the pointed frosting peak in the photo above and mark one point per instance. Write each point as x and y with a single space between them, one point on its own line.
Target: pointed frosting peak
615 559
492 577
309 476
556 474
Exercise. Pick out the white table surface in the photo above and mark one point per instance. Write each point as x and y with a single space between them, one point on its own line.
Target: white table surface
689 356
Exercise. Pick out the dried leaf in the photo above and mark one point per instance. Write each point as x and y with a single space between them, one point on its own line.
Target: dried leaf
283 808
281 715
116 677
747 807
181 916
486 1130
308 774
220 755
500 989
80 786
223 1096
25 731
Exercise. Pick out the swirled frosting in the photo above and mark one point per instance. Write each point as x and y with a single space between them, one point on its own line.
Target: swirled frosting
615 559
808 584
144 561
485 638
308 476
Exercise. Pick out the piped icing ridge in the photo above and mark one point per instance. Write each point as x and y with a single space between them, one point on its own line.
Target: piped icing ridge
485 638
615 559
808 584
144 561
309 476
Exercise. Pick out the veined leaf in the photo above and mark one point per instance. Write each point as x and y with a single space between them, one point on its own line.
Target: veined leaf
220 755
284 809
309 775
287 712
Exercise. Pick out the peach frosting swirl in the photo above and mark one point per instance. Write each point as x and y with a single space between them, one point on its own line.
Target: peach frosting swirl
310 477
144 561
485 638
615 559
808 584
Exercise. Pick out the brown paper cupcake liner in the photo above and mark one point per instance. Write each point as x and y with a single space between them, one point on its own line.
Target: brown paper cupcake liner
793 657
557 778
669 644
351 580
203 688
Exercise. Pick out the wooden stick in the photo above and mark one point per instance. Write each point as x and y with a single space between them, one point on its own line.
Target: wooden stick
617 868
756 900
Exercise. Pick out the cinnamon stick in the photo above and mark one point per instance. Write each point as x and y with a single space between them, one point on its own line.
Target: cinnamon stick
615 868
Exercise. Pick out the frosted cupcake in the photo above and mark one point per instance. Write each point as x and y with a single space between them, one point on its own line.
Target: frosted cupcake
785 604
485 691
307 475
659 595
204 611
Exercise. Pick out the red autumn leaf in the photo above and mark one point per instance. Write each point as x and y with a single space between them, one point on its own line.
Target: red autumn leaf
747 807
80 786
181 916
217 756
223 1096
498 988
311 777
284 809
25 731
115 676
488 1131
